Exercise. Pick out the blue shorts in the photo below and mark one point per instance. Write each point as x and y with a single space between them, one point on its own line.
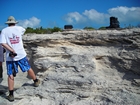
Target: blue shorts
23 64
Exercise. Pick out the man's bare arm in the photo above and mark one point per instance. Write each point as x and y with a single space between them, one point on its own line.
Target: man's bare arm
6 46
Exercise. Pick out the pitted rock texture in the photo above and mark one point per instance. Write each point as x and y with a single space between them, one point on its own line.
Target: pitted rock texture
82 68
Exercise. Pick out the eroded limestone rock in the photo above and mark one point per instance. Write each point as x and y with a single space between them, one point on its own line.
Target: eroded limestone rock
83 68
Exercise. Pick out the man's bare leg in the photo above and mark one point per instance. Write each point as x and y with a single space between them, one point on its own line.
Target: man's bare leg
31 73
10 97
11 82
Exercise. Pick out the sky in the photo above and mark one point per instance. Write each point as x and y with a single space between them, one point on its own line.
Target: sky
79 13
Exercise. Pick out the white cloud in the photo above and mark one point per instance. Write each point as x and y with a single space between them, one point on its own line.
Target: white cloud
87 18
126 14
32 22
74 17
93 17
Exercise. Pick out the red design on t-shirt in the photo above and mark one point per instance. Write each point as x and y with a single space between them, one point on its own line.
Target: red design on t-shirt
14 40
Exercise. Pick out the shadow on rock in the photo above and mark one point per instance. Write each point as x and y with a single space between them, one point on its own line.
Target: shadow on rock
1 79
3 90
130 73
27 84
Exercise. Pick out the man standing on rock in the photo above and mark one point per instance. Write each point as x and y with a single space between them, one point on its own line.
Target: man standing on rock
11 40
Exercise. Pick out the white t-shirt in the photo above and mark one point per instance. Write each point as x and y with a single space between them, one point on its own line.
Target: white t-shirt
13 37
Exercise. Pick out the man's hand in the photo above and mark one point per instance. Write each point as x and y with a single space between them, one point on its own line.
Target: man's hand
11 54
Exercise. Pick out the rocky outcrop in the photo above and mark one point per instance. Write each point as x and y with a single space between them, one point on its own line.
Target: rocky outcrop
114 23
83 68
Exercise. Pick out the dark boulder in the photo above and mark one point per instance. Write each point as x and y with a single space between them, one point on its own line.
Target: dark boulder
114 23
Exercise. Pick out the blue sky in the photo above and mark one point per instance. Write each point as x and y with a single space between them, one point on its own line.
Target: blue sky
79 13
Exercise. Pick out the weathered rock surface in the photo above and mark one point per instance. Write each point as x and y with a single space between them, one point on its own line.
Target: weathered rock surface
81 68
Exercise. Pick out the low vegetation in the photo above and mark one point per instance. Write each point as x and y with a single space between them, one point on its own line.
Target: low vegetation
42 30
